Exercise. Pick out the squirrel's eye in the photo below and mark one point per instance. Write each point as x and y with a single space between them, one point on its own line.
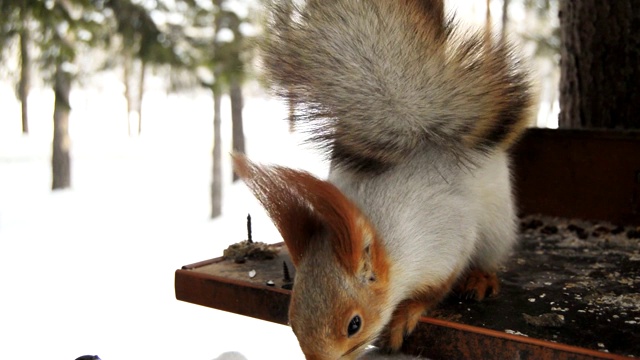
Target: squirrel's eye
354 325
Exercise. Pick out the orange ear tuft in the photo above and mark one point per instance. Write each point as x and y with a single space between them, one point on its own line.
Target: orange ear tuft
301 206
338 215
291 215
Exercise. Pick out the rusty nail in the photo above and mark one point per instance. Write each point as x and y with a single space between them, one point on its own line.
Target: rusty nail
285 270
249 229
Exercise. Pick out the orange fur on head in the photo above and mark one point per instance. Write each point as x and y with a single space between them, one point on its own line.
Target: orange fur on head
303 206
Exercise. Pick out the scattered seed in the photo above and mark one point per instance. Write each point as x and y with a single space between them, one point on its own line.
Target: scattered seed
513 332
252 274
270 283
545 320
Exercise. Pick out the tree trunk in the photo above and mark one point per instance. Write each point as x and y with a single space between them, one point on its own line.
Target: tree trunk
60 159
25 67
143 71
599 72
487 23
127 67
235 94
505 20
216 180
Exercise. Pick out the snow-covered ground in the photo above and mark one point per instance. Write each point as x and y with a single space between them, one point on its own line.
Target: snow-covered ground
90 270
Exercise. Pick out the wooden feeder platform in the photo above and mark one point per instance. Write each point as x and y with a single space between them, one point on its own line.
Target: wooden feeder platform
571 290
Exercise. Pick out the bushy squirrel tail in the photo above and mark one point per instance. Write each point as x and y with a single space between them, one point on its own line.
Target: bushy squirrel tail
373 80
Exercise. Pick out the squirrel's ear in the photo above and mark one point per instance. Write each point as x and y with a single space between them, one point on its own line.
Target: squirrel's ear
276 191
302 206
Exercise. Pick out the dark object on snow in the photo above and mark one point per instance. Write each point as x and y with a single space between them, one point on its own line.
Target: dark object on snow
89 357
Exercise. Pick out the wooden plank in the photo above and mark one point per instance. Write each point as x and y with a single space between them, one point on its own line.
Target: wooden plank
433 338
586 174
225 285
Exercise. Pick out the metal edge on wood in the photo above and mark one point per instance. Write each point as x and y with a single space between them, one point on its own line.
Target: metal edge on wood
439 339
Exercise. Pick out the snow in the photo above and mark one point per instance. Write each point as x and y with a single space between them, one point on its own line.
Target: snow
90 270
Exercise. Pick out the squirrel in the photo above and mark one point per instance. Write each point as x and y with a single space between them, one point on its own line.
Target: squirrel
417 117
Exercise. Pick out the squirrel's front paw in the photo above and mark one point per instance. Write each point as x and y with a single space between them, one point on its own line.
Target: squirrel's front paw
403 322
477 284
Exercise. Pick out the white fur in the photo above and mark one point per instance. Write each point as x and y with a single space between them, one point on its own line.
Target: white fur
436 217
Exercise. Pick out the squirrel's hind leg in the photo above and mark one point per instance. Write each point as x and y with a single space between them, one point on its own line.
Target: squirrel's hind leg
497 228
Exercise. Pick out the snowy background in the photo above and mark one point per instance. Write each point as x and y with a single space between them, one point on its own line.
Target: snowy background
90 270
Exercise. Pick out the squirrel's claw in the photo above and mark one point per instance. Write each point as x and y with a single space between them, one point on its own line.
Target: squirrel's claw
404 321
478 284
